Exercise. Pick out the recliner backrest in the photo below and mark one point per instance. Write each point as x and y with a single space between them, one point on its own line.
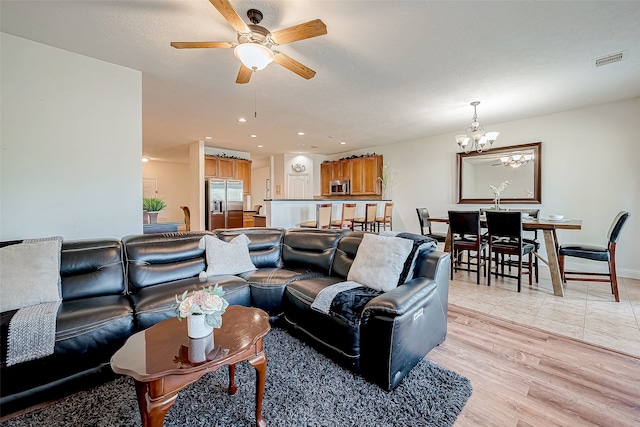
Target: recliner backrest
93 267
310 248
159 258
265 248
346 253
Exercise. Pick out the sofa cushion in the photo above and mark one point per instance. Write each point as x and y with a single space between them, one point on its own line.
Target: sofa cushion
380 261
30 273
227 257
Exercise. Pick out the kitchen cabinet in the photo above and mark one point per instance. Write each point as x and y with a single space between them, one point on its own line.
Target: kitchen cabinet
365 175
363 172
341 170
247 219
225 168
219 167
243 172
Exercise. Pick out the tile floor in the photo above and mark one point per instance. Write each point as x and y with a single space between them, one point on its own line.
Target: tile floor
587 311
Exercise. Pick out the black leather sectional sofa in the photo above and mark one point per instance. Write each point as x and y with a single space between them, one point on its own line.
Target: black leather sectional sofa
113 288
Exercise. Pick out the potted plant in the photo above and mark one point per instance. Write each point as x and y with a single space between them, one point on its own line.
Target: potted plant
153 205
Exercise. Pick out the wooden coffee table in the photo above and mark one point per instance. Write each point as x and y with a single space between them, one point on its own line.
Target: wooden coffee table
158 359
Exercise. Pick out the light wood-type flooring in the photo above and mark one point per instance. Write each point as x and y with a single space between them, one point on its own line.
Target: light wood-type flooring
530 376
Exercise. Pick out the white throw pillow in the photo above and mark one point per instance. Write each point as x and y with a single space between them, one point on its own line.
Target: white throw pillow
30 273
227 257
380 261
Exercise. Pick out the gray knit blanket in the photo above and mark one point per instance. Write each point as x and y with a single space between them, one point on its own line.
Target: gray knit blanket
32 329
32 332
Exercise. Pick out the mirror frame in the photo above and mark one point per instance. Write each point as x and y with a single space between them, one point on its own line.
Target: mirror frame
537 174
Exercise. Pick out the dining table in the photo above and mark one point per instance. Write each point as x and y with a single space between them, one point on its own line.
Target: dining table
548 228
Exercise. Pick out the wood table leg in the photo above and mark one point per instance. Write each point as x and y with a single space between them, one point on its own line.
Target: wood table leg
153 411
554 265
259 361
447 242
232 379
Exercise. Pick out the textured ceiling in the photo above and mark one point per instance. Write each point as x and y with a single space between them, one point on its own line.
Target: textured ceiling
387 71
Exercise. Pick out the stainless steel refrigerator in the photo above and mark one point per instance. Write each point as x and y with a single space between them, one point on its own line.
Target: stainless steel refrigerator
224 201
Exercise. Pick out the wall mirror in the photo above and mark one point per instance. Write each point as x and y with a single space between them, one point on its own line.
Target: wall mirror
518 164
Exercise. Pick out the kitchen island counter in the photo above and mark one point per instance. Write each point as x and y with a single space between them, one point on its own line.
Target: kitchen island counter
289 213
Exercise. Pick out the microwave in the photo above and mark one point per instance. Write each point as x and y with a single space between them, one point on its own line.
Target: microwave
340 187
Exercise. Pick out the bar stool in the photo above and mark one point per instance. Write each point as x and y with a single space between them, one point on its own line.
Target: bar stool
386 218
346 220
368 222
323 217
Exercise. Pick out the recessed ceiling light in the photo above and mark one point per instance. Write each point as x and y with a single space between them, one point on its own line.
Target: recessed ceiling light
242 120
260 146
342 143
300 133
253 136
145 159
300 145
208 137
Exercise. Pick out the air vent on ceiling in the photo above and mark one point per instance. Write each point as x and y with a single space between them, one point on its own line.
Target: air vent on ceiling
609 59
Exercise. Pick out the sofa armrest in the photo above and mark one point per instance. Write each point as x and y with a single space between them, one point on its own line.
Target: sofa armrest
401 326
400 300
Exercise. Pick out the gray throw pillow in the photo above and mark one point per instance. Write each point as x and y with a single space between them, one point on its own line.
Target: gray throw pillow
227 257
30 273
380 261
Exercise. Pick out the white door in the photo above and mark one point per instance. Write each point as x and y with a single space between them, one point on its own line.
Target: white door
298 186
149 187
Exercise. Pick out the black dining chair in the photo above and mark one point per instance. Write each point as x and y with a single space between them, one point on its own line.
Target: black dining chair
466 237
425 226
505 238
596 253
529 236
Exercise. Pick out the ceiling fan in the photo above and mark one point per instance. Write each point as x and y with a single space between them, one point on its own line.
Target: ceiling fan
254 46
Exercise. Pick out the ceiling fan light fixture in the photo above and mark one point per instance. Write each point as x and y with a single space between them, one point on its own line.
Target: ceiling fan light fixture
254 56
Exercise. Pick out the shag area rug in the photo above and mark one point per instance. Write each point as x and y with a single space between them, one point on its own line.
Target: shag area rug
303 388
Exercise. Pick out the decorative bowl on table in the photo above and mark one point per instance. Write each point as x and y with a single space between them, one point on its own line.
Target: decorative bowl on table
555 217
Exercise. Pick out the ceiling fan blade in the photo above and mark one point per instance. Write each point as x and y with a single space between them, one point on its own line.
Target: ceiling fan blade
300 32
229 13
244 75
196 45
293 65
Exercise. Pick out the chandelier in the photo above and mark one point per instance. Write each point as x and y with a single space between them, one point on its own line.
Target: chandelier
475 138
516 160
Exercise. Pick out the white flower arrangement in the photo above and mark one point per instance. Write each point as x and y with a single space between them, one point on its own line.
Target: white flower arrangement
207 302
498 190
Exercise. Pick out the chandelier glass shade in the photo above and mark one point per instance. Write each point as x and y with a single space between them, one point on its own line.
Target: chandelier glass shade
516 160
475 138
254 55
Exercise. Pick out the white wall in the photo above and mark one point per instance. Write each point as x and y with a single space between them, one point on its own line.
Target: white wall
71 144
259 177
590 171
173 187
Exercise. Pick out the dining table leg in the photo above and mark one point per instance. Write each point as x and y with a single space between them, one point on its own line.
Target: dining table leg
552 261
447 241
